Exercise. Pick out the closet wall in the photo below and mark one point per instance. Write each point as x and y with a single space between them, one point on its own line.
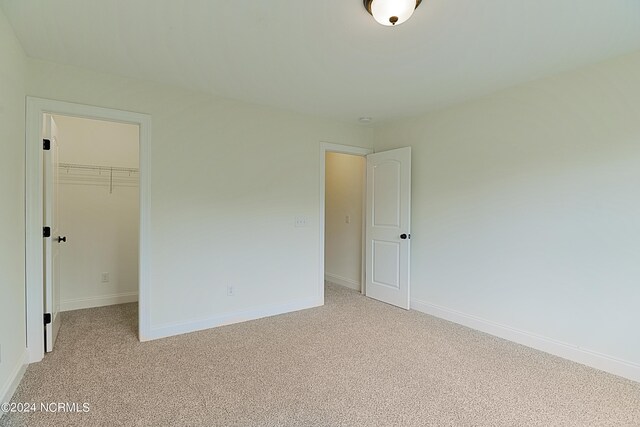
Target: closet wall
99 212
344 187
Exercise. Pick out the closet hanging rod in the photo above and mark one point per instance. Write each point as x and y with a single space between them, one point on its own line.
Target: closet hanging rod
96 167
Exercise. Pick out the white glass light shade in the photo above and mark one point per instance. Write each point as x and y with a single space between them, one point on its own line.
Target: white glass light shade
392 12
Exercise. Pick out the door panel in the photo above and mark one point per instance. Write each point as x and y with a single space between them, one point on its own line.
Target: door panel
51 244
386 264
386 194
388 218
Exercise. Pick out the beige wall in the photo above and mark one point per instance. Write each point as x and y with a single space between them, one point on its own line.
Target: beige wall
344 186
101 226
526 207
97 142
12 315
227 181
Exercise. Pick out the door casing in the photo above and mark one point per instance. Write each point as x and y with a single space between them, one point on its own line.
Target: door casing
36 107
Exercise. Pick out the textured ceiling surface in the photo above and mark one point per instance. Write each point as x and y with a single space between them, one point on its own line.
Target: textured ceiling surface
329 57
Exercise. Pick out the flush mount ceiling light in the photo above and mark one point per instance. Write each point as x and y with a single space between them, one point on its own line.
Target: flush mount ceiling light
391 12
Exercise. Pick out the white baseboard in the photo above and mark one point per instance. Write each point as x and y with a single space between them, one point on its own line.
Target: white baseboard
99 301
571 352
342 281
172 329
10 386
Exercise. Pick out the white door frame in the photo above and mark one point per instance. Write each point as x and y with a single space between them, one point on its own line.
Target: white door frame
327 147
36 107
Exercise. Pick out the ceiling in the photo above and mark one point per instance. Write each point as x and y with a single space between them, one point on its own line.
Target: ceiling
329 57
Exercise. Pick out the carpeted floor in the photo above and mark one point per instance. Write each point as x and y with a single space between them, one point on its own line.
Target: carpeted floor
353 362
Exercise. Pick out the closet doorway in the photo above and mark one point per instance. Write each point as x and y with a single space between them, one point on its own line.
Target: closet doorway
345 180
342 222
99 211
101 171
91 199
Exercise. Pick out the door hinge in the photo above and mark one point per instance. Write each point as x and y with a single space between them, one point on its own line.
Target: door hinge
46 144
47 318
46 231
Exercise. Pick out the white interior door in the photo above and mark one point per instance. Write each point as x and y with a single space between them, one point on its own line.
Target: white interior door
388 226
52 243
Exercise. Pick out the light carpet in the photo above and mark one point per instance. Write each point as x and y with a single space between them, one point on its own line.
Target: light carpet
352 362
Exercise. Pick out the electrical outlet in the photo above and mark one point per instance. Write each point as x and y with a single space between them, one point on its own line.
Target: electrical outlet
230 291
347 219
104 277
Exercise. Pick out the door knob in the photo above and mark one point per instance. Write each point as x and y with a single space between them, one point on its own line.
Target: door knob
405 236
62 239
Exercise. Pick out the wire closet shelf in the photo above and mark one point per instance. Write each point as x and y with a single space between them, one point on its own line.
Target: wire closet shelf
113 176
